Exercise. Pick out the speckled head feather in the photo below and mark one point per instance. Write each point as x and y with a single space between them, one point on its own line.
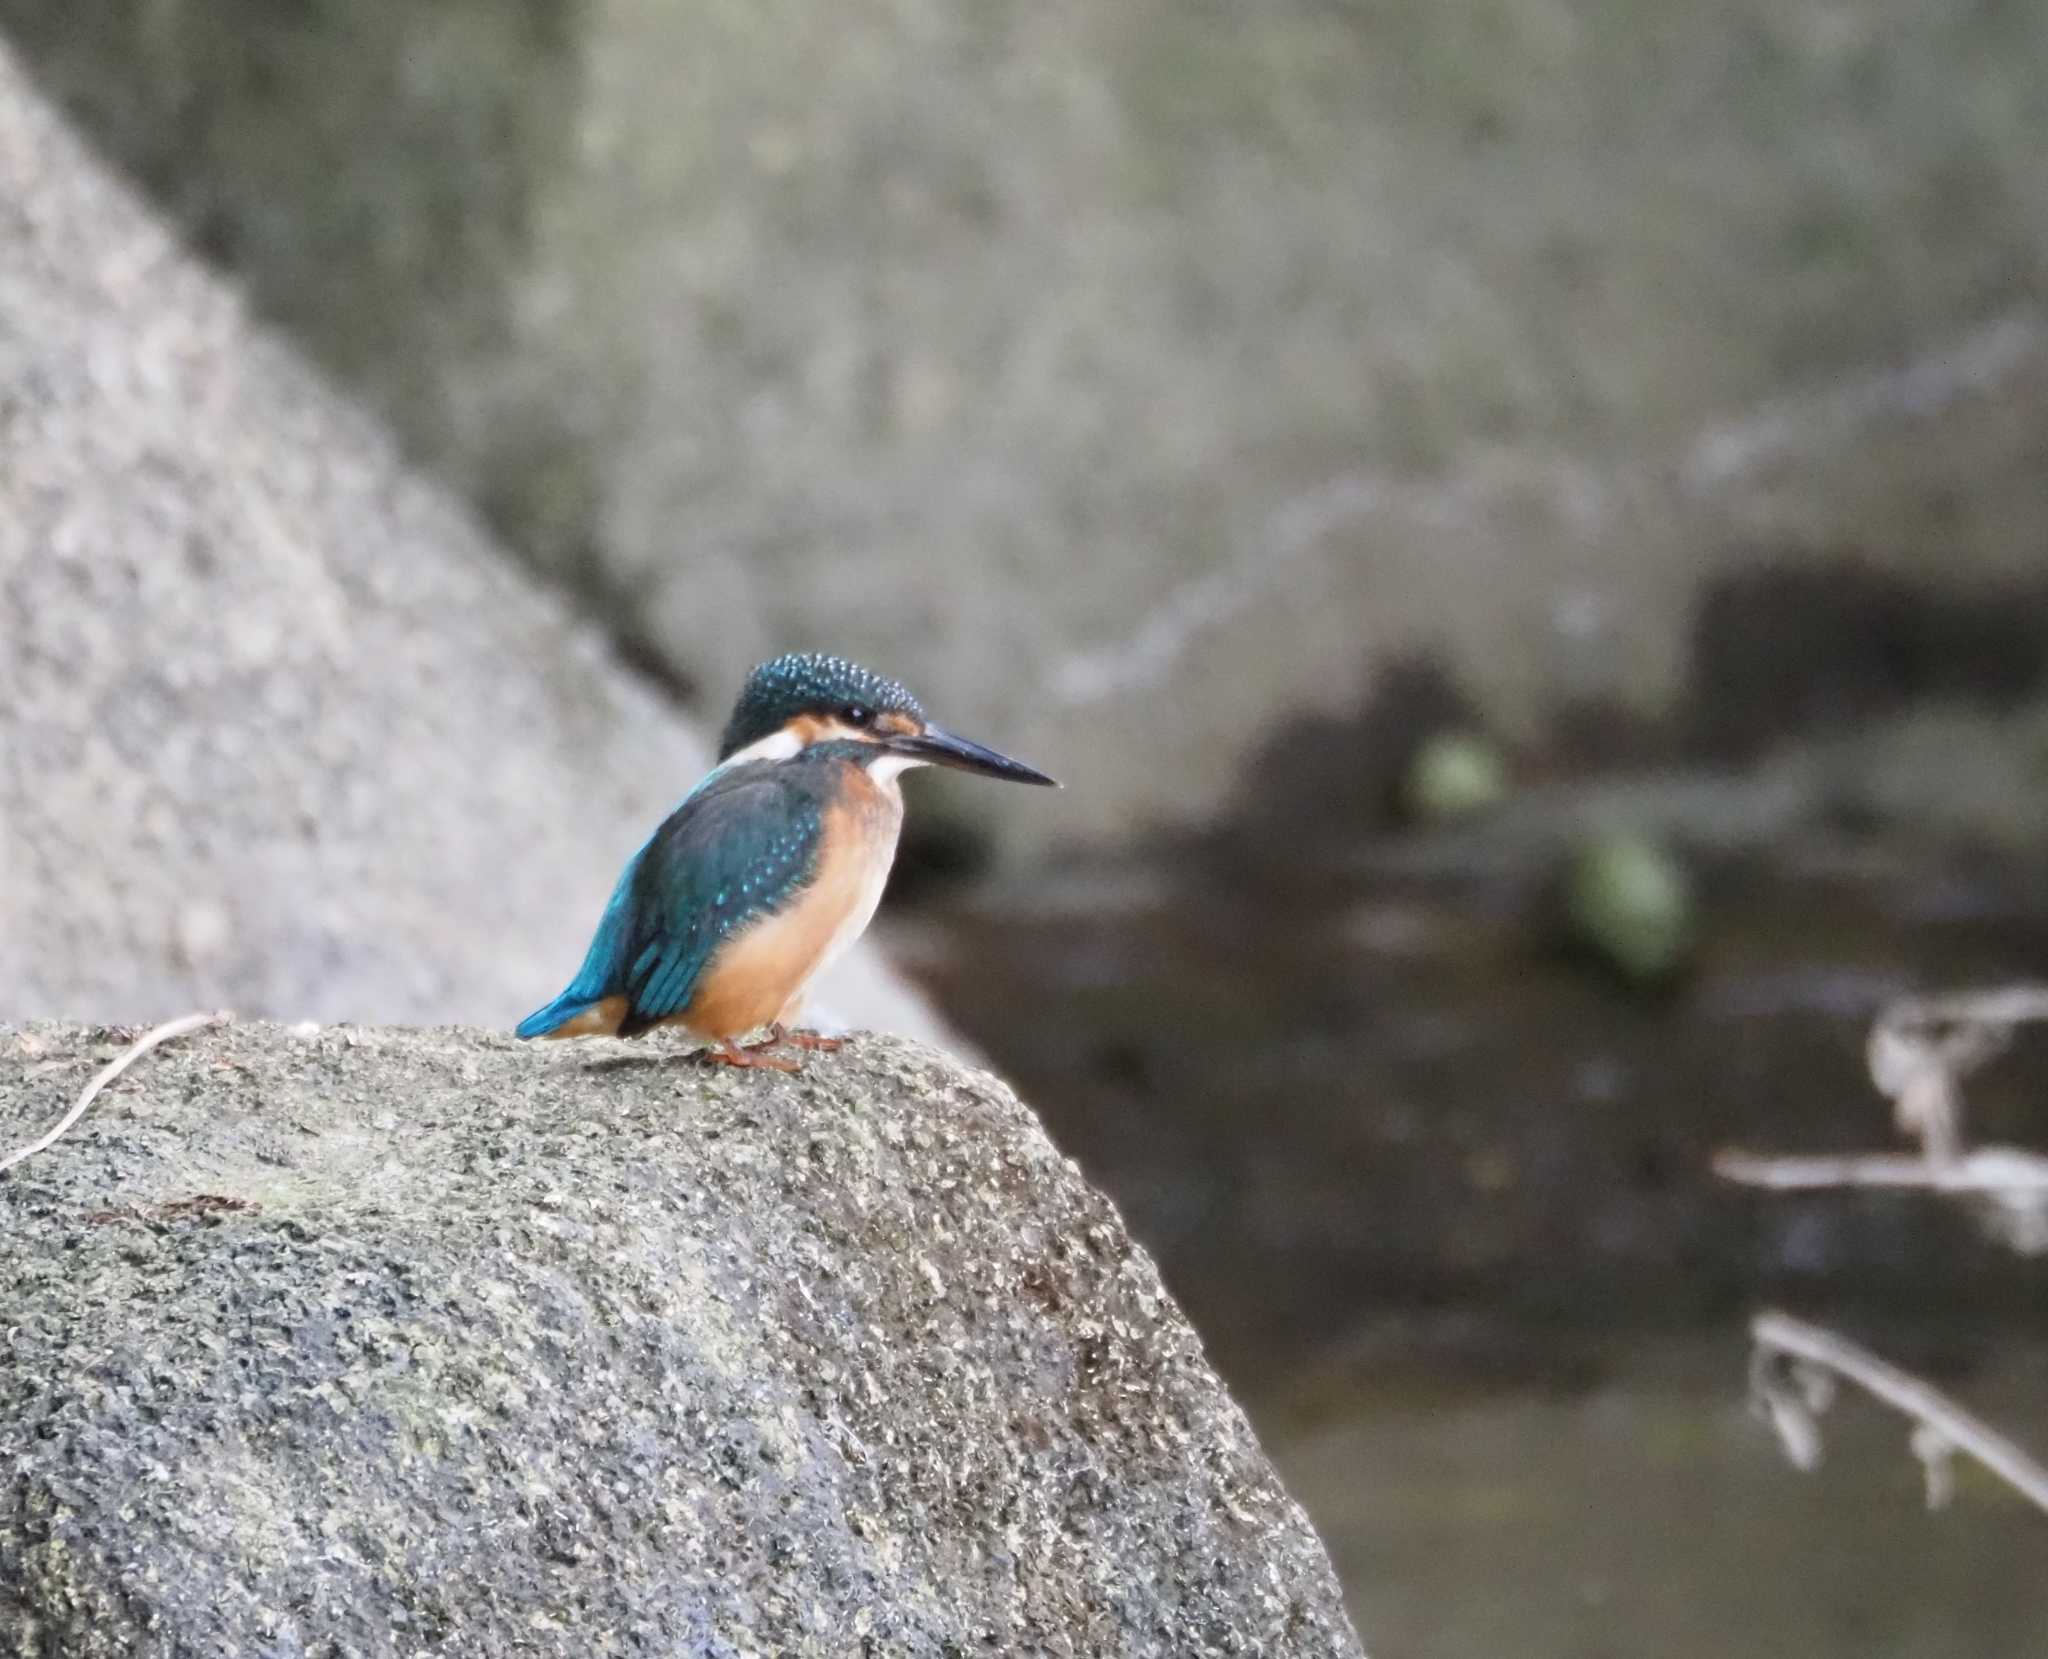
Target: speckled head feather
809 683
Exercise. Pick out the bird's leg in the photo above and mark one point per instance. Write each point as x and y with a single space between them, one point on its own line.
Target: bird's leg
757 1054
814 1040
727 1054
778 1034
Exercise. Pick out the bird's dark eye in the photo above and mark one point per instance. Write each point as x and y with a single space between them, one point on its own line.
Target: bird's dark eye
855 715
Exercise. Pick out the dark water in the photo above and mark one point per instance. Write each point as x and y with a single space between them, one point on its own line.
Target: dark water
1437 1195
1650 1515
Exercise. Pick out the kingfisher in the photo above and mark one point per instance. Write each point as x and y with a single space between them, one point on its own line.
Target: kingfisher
768 870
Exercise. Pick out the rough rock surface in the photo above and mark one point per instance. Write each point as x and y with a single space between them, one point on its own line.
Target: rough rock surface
381 1342
279 727
1122 375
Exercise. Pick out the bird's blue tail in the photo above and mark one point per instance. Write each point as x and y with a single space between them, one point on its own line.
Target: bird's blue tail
599 975
556 1014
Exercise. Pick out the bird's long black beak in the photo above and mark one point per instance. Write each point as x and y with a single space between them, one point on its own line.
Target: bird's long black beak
942 748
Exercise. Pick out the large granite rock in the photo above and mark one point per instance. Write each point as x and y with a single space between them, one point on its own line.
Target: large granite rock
279 727
381 1342
1125 375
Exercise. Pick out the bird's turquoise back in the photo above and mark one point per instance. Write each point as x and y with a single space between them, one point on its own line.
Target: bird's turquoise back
739 848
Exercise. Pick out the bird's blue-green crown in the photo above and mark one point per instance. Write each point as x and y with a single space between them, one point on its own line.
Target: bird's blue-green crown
809 683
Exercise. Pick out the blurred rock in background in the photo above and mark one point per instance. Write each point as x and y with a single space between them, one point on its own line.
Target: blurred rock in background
1128 377
279 727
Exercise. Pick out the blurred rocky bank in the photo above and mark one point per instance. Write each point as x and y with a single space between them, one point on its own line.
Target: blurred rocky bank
1136 379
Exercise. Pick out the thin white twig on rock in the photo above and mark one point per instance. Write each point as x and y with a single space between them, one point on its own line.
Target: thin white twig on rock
1941 1426
167 1032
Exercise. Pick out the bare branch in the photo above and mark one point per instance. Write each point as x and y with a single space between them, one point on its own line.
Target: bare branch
1921 1048
1942 1428
1919 1051
1988 1170
2009 1005
150 1039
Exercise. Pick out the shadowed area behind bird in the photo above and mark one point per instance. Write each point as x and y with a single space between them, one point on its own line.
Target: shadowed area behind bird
1437 1189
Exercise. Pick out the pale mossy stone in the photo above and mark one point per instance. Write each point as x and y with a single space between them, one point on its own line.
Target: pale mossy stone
1630 900
489 1348
1453 775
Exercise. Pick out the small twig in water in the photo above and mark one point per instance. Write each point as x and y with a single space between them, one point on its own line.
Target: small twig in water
1922 1048
167 1032
1919 1051
1791 1377
1989 1169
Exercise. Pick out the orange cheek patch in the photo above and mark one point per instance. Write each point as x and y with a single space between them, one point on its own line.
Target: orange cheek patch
898 725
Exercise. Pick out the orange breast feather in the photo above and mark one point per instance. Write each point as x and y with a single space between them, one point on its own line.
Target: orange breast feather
759 975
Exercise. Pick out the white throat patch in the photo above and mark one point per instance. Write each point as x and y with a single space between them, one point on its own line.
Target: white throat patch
888 768
778 745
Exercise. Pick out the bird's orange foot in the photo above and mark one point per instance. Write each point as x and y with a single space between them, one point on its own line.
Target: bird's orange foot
780 1035
727 1054
814 1040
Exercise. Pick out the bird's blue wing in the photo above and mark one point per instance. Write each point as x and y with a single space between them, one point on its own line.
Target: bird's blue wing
727 857
737 849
